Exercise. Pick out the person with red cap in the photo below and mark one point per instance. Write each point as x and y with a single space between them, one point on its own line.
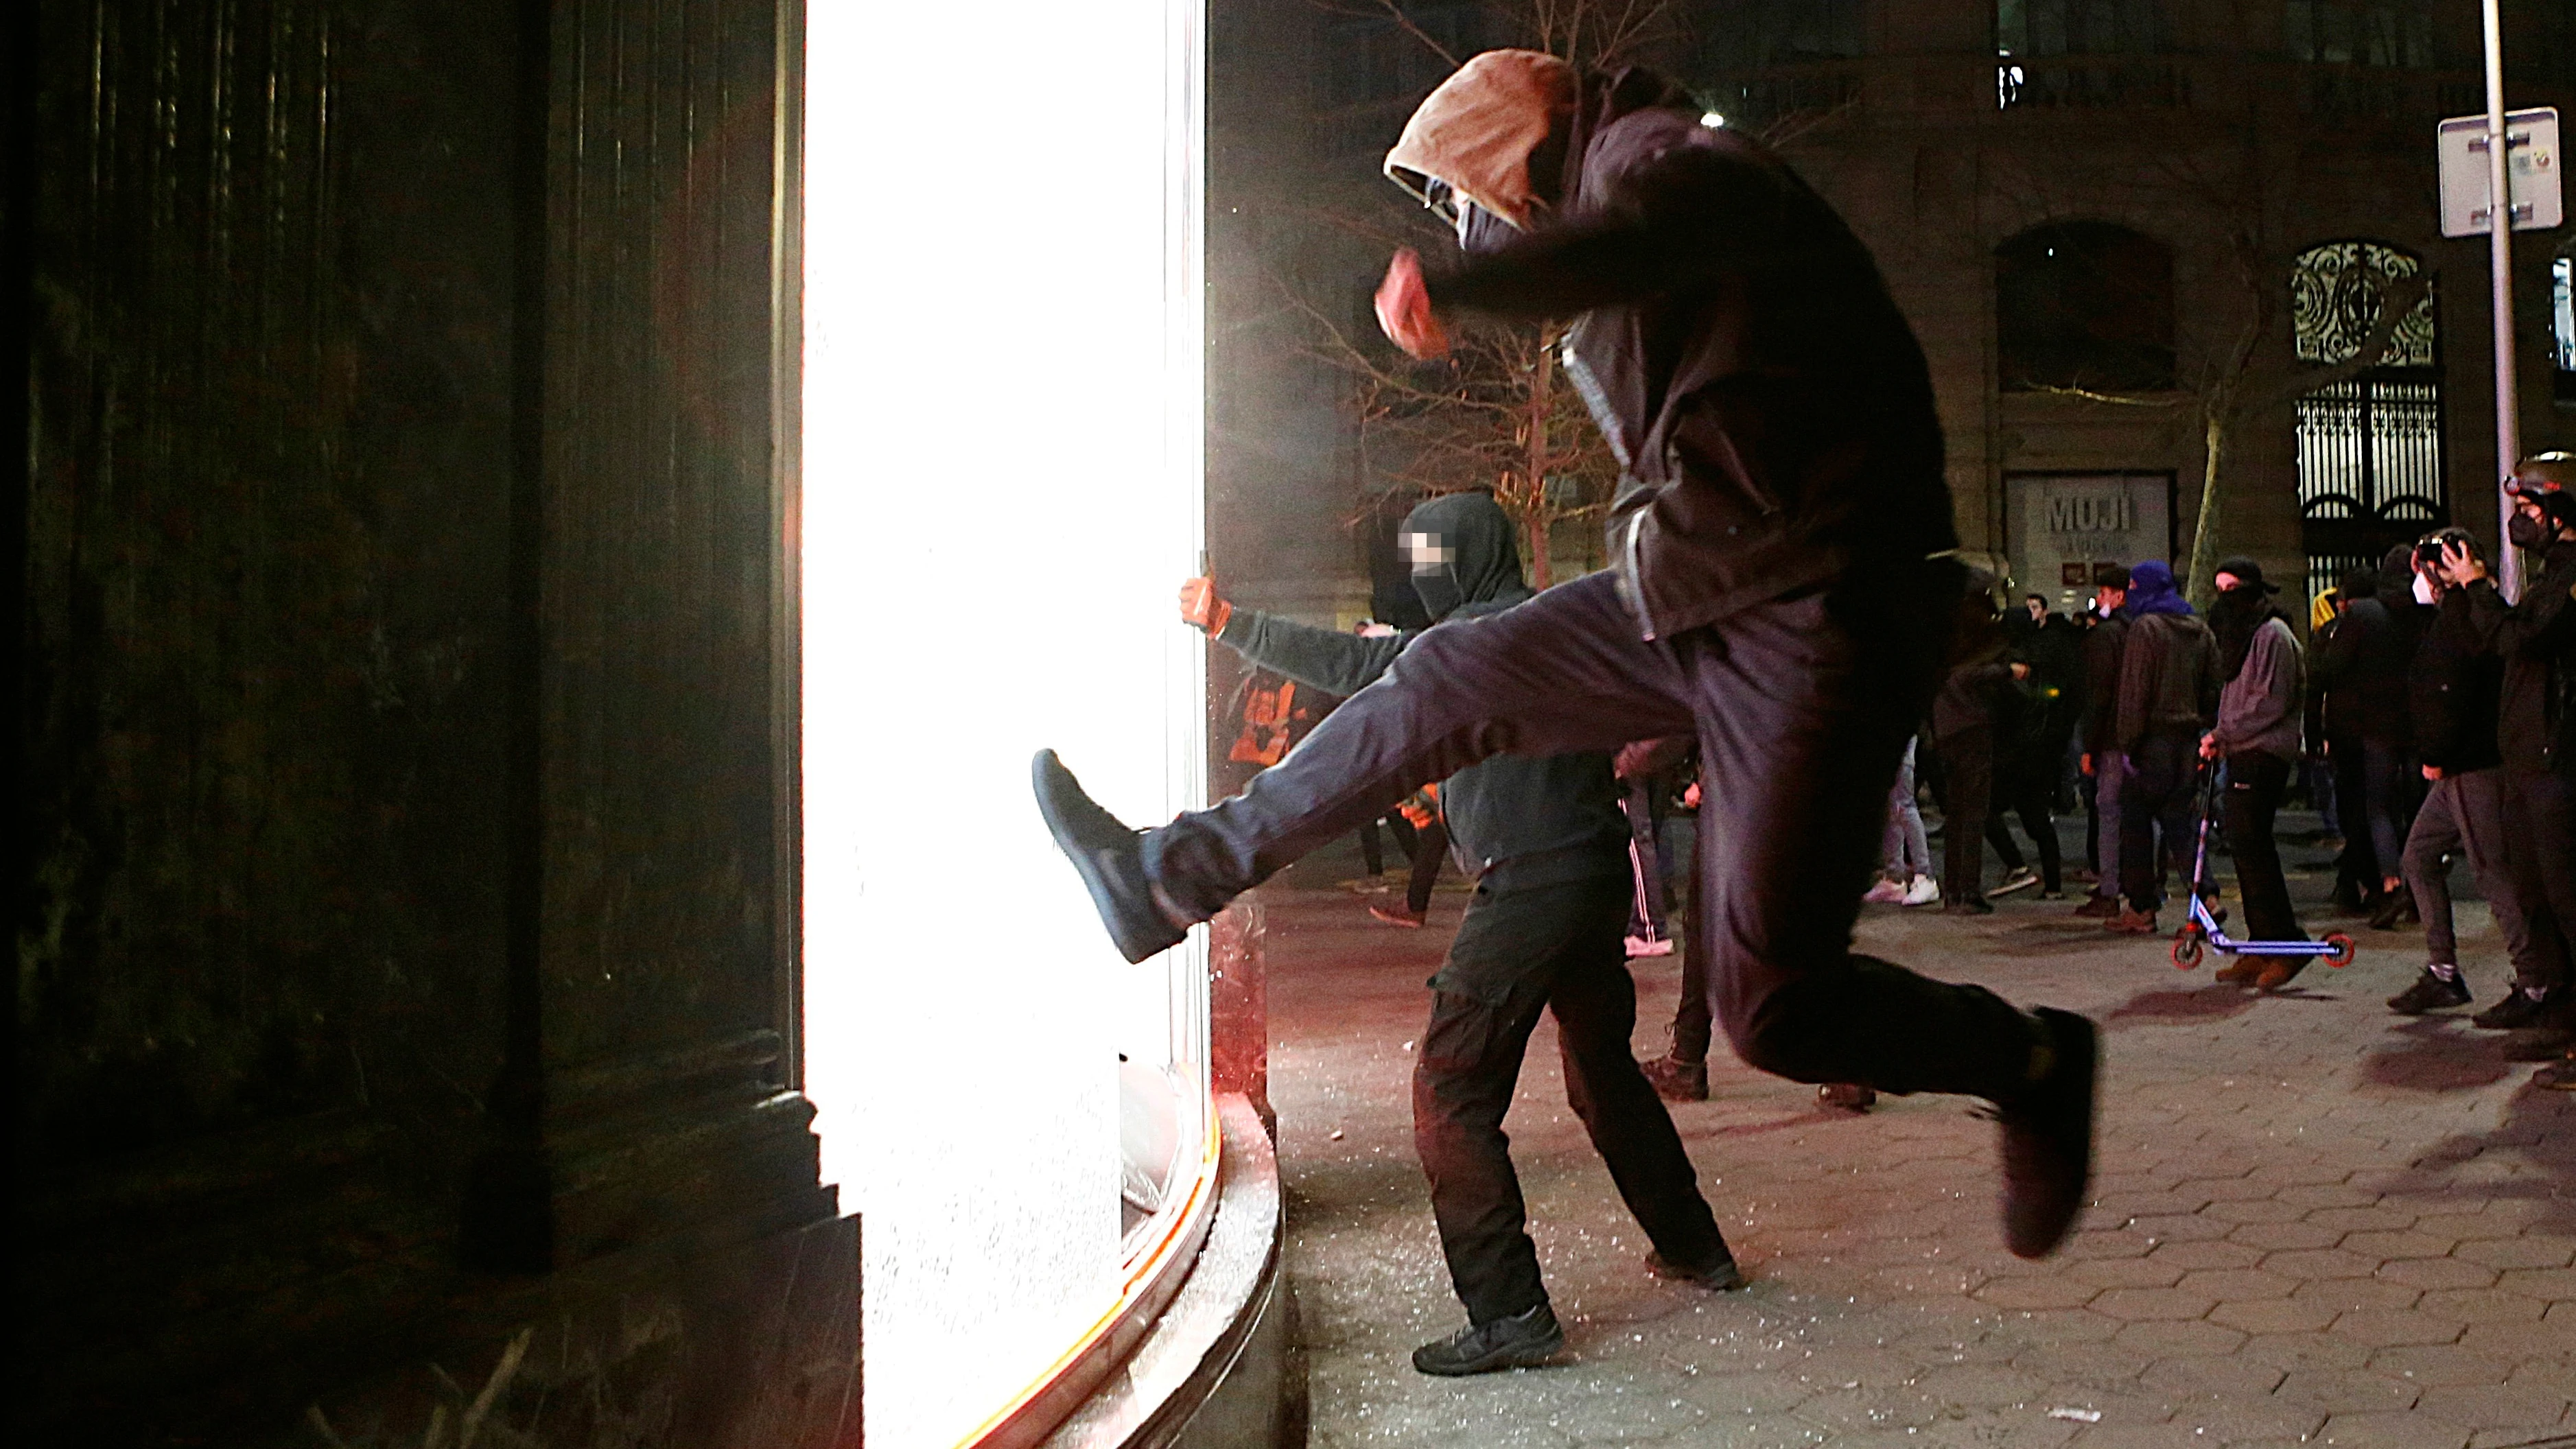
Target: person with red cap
1781 587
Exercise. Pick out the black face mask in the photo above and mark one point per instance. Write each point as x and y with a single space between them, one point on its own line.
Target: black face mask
2525 531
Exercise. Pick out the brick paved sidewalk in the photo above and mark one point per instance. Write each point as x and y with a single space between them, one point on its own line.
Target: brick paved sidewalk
2315 1222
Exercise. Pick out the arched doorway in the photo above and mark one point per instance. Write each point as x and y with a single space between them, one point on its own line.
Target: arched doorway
2370 447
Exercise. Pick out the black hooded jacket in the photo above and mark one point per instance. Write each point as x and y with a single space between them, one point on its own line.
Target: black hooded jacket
2536 639
1517 820
1768 404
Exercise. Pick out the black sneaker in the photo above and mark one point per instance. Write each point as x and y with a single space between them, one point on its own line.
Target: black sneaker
1967 906
2048 1140
1108 856
2514 1013
1523 1340
1676 1080
2429 993
2019 878
1717 1274
2395 909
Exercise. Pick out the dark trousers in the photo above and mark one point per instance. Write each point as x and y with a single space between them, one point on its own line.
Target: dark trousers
1692 1028
1968 759
2164 769
1643 801
2255 785
1430 847
2464 814
1802 708
1518 951
2540 857
2028 793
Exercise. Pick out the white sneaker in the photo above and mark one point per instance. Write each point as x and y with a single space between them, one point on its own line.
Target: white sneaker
1886 892
1649 946
1924 892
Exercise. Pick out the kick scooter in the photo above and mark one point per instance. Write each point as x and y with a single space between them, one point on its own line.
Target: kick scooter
2203 927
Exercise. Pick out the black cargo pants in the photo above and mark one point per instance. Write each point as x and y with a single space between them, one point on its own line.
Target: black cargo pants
1802 707
1560 948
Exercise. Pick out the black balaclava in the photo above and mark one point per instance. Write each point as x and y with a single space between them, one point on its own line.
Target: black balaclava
1463 552
2237 613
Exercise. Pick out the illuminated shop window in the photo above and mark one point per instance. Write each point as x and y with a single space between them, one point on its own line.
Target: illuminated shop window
1001 488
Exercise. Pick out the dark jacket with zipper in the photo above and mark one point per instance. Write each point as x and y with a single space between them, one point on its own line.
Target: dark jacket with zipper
1513 820
1770 409
2454 688
2168 679
2102 646
2536 640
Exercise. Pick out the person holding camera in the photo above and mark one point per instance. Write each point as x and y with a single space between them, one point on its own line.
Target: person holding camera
2457 683
2535 725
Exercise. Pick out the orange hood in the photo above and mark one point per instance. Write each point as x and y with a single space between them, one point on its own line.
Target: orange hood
1477 129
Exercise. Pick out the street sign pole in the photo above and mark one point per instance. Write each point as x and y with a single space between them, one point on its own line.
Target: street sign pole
2500 264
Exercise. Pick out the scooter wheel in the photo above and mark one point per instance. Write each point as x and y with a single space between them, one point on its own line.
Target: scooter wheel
2341 948
2186 948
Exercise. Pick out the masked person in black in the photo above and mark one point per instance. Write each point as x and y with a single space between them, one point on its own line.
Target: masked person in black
2536 719
1545 931
2257 734
1781 585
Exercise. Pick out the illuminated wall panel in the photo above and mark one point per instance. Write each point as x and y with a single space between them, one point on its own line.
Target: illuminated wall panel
1001 492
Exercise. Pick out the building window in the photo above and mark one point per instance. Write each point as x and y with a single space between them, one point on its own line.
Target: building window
2028 28
2084 305
2369 447
2392 33
2562 324
1762 33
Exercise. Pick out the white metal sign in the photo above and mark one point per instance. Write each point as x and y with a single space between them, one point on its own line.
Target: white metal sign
2532 155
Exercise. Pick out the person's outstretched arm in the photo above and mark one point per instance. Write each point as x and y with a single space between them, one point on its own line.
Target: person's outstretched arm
1332 661
1693 206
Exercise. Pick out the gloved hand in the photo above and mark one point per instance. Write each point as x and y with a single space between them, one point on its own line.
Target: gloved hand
1404 309
1202 608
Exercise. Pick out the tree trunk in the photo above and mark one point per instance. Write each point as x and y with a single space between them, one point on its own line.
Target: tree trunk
1542 386
2204 530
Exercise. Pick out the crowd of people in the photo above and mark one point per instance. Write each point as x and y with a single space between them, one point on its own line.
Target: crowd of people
2430 718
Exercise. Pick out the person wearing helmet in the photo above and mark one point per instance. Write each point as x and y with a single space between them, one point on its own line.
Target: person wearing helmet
1781 586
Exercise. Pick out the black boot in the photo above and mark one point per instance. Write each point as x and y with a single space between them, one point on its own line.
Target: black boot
1716 1273
1520 1341
1108 856
2048 1139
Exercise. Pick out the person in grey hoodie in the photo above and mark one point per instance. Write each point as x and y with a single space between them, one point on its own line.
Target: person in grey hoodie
2257 735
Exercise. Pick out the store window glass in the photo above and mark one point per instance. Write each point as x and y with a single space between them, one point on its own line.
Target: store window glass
1001 487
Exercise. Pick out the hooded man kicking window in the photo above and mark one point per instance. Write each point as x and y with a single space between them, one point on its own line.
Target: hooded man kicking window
1780 585
1546 929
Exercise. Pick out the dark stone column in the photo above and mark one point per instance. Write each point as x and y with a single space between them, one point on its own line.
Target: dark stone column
410 965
